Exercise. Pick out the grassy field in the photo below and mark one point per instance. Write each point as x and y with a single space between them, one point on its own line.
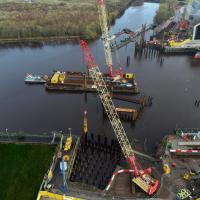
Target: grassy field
47 18
165 11
22 168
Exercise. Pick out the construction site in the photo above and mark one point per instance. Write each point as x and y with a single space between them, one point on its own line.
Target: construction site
95 168
92 166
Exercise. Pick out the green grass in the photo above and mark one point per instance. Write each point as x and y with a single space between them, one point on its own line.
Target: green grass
165 11
54 18
22 168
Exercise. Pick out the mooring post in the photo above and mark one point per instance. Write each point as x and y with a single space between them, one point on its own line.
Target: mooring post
142 37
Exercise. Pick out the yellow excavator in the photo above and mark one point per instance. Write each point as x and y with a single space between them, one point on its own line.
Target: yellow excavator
190 174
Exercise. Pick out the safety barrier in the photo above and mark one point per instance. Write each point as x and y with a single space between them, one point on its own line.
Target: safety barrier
116 174
71 163
184 151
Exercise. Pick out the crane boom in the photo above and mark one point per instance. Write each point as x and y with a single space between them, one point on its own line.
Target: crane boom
105 35
142 178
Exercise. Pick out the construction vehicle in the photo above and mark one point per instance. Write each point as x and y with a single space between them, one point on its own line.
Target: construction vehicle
58 77
129 75
190 174
166 169
183 193
55 77
68 143
142 177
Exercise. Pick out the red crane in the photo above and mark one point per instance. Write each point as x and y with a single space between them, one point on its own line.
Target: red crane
141 177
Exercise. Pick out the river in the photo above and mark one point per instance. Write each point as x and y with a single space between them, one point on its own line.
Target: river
174 87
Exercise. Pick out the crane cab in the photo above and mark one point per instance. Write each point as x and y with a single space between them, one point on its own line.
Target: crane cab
147 183
55 78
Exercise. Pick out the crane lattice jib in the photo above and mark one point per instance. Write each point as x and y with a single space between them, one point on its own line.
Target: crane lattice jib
105 34
109 107
142 177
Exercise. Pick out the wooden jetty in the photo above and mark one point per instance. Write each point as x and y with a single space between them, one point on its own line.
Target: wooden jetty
126 114
144 101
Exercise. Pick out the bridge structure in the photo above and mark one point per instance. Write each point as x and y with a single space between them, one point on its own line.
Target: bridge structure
132 36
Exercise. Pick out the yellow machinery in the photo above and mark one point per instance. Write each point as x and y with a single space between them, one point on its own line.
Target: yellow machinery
50 174
58 76
55 78
68 143
85 123
183 193
62 77
52 196
129 75
173 43
187 175
166 169
66 157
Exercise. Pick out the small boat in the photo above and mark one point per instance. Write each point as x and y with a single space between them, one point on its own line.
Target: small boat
34 79
197 55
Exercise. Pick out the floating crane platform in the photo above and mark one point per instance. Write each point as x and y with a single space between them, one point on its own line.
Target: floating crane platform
81 82
35 79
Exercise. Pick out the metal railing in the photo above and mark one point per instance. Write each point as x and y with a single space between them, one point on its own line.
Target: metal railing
71 163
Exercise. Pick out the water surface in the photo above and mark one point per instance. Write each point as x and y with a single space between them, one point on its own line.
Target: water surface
174 87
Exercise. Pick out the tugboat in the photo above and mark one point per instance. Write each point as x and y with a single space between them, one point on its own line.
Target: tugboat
35 78
197 55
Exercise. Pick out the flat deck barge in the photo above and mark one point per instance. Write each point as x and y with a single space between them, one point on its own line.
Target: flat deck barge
35 79
81 82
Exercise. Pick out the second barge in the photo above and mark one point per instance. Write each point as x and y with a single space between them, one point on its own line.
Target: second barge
81 82
35 79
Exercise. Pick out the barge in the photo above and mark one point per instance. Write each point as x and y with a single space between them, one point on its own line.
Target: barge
29 78
81 82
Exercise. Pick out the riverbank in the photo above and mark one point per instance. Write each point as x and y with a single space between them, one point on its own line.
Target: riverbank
54 20
165 11
22 169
